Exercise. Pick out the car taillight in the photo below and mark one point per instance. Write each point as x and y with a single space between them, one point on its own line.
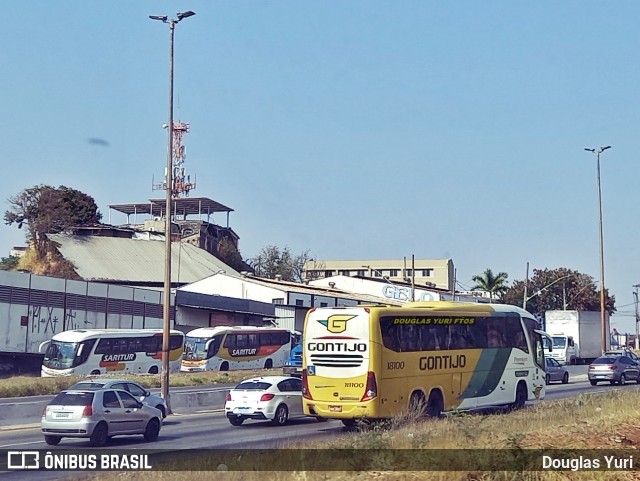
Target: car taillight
44 411
613 367
371 391
87 411
266 397
305 386
228 396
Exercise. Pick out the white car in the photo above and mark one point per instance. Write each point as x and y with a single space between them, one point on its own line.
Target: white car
272 398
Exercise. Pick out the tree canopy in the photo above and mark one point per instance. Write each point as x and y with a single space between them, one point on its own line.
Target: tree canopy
494 284
46 210
274 261
558 289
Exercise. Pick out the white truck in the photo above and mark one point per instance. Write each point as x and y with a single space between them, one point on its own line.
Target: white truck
577 336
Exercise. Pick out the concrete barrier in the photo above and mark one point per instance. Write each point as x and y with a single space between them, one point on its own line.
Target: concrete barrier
28 410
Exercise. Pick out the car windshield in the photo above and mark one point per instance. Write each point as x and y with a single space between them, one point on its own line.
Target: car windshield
73 399
559 342
253 386
605 360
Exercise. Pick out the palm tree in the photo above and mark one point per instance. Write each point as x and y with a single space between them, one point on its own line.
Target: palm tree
493 284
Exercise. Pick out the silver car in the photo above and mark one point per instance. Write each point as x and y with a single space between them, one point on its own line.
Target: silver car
615 369
133 388
555 371
98 415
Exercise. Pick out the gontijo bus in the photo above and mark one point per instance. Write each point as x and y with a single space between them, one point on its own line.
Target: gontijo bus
101 351
375 362
225 348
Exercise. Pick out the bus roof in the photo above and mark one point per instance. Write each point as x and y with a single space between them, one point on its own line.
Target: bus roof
212 331
81 334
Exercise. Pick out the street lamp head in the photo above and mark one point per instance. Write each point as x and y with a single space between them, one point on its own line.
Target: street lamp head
162 18
589 150
602 149
186 14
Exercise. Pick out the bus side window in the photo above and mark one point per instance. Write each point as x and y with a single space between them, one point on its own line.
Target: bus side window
265 339
104 346
87 347
253 341
175 342
230 340
151 344
214 345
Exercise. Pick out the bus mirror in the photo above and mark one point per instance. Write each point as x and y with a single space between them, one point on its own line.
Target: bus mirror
43 346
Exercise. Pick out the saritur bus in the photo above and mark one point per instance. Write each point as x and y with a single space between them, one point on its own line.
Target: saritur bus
376 362
114 351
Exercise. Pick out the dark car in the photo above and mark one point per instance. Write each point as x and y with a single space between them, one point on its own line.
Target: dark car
615 369
555 371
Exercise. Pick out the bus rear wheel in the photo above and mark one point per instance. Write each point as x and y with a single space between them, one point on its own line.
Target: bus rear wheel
153 370
435 405
224 366
268 364
416 403
349 422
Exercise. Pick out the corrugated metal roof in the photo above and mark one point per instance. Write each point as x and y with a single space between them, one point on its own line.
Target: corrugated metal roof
141 261
182 206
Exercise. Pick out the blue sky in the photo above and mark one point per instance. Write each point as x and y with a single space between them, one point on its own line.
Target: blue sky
358 130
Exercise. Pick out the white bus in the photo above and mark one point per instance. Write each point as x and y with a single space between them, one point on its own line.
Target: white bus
226 348
102 351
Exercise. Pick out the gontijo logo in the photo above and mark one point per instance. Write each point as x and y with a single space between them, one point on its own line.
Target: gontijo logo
336 323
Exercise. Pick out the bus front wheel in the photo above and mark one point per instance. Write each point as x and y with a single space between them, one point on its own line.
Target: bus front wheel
349 422
521 397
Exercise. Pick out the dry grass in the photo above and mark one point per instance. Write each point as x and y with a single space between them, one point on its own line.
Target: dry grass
590 421
33 386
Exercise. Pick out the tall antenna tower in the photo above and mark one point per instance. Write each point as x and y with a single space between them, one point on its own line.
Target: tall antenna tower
182 184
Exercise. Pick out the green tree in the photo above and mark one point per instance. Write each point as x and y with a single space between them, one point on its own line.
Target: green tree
46 210
494 284
558 289
274 261
9 263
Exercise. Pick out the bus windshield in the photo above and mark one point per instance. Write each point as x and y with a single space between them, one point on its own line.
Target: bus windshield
559 342
195 348
60 355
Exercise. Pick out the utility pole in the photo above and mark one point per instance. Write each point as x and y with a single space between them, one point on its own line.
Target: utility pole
635 300
526 283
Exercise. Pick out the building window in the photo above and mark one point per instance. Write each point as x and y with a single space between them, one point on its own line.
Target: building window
427 272
279 300
328 273
299 302
360 273
323 304
377 273
409 272
393 272
344 273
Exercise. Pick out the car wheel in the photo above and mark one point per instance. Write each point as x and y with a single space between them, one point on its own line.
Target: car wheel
349 422
160 408
324 420
152 431
99 435
281 416
623 379
565 378
235 420
593 382
547 379
52 440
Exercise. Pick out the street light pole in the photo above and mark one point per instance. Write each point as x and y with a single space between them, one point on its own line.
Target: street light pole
635 300
603 320
166 316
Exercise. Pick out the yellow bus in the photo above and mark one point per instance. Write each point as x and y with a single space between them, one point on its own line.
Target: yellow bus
378 361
